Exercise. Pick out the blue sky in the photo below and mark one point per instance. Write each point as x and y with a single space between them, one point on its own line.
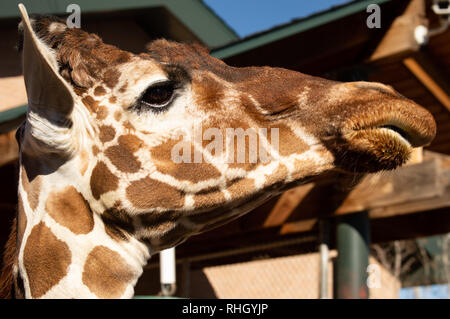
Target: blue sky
250 16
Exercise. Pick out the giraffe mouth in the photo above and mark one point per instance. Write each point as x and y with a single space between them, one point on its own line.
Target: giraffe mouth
400 133
382 144
412 135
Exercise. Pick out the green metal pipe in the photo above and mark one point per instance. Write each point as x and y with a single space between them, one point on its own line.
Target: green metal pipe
353 242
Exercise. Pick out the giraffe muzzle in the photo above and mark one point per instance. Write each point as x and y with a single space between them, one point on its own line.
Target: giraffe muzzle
383 129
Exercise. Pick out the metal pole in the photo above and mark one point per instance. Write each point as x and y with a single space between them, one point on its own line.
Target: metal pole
353 241
323 250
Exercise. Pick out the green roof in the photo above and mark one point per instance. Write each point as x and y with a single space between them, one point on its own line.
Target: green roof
194 14
289 29
13 113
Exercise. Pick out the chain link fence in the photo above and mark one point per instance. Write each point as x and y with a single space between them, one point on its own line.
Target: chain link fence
291 269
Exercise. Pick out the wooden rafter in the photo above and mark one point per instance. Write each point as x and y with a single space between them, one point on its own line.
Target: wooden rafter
428 74
382 195
412 189
399 40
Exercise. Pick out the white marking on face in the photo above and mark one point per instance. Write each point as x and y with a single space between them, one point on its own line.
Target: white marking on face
302 98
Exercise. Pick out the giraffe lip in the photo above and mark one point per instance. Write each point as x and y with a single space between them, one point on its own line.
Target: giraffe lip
397 133
413 134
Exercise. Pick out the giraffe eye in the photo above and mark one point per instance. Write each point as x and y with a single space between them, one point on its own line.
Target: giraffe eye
158 95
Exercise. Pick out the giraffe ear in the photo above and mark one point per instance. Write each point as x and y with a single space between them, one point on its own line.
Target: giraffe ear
48 93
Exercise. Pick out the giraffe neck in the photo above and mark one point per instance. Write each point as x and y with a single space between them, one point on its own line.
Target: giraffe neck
66 250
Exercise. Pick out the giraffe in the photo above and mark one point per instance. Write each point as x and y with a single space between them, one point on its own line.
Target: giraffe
99 191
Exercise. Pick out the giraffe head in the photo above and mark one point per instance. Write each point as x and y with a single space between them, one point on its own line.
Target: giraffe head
115 124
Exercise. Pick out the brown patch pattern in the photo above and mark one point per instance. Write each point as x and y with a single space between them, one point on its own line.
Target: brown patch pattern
95 150
289 142
111 78
241 188
107 133
46 259
150 193
106 273
210 198
99 91
121 155
69 209
102 112
131 142
193 172
90 103
102 180
241 146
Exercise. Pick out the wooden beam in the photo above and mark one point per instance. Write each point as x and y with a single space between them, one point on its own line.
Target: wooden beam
409 184
412 183
408 208
286 205
298 227
399 40
298 209
412 189
426 72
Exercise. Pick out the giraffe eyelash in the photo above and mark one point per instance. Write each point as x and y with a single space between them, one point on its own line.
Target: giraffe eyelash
158 97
